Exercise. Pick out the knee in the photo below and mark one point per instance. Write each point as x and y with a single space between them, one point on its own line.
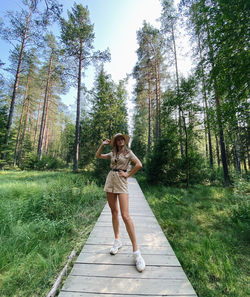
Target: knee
114 212
125 217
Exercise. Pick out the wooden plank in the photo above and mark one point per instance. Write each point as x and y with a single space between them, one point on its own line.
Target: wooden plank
104 232
122 226
135 213
126 249
127 259
124 271
138 225
132 212
140 240
145 220
96 273
131 203
78 294
110 285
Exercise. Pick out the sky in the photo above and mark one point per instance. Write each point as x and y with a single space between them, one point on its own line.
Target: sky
115 25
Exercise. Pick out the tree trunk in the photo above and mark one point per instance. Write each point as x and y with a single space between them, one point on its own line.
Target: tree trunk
19 156
37 121
149 109
19 133
245 164
45 125
178 88
186 148
205 130
47 138
21 119
77 130
237 151
247 133
157 102
206 109
45 105
159 94
222 143
217 150
218 113
13 98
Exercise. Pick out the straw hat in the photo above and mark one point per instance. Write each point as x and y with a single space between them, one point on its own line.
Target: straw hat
125 136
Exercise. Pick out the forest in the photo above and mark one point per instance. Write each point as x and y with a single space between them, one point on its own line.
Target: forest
191 128
190 132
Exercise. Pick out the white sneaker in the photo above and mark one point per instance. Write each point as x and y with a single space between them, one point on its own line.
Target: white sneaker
139 261
117 244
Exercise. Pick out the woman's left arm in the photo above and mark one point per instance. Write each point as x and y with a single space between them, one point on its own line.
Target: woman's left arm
138 165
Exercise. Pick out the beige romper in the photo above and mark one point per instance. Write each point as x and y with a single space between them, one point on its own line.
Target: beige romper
116 183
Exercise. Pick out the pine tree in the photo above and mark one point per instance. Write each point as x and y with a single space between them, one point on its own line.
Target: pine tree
26 27
77 34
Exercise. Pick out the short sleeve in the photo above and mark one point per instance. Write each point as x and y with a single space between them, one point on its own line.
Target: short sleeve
109 155
132 156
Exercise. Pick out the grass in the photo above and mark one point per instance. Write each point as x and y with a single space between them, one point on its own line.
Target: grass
208 228
43 217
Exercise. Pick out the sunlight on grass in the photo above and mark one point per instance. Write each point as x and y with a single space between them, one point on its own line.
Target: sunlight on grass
207 228
43 216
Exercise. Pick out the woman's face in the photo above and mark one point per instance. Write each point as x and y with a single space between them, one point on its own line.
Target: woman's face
120 141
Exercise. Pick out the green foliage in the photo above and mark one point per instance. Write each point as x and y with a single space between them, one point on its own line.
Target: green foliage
161 162
108 114
139 142
165 166
77 32
221 29
47 162
101 169
3 125
241 208
43 217
67 141
209 239
77 35
215 176
107 117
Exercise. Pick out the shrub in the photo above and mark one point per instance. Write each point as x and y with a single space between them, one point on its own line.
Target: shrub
163 164
47 162
241 207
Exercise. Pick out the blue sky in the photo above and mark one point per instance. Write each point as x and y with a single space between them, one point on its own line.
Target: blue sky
115 26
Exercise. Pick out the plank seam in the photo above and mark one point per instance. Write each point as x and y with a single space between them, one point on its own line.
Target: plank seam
122 277
87 243
100 263
129 254
125 294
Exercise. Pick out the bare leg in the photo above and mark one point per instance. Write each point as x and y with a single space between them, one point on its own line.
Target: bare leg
112 201
123 201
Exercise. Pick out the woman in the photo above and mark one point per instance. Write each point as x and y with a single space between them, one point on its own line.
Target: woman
117 185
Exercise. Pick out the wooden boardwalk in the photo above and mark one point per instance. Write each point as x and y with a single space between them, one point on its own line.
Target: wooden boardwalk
96 273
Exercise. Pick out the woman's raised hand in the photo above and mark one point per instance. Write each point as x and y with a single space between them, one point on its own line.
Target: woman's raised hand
107 141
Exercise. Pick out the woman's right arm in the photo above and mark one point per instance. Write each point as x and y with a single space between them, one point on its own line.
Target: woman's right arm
99 152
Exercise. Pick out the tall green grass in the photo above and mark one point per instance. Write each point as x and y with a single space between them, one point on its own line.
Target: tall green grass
208 228
43 217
